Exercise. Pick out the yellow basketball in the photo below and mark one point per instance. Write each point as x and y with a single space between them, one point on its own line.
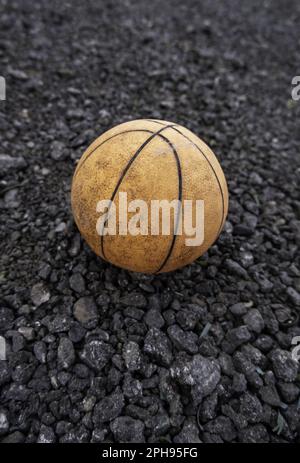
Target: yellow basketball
171 181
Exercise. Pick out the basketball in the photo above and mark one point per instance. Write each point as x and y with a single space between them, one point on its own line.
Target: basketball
149 196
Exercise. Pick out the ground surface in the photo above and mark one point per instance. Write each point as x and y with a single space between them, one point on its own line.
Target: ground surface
95 353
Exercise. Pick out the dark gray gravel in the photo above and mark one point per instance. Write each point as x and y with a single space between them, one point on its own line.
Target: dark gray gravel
98 354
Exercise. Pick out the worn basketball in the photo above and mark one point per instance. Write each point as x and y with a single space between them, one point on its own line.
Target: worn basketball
162 169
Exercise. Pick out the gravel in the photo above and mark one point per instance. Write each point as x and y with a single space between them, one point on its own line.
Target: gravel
86 312
254 321
40 294
132 356
158 347
183 340
108 408
201 373
236 337
126 429
65 353
11 163
4 424
284 366
189 433
46 435
98 354
251 408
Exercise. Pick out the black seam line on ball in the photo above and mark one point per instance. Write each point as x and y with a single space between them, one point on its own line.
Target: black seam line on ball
156 122
219 184
102 143
200 150
131 160
179 172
